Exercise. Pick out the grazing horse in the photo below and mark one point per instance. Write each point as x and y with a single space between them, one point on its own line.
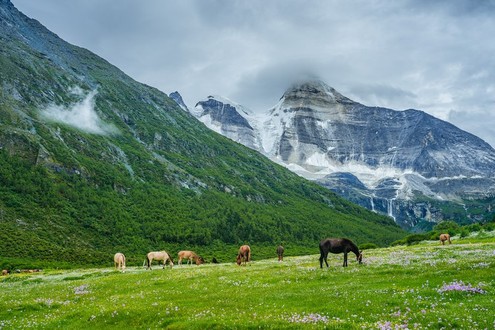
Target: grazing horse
244 255
161 255
445 237
280 253
338 245
119 261
190 256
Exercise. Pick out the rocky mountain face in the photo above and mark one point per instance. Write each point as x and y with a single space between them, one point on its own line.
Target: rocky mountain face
178 99
406 164
92 161
229 119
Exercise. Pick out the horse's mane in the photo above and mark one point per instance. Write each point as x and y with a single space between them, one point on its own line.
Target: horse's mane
354 247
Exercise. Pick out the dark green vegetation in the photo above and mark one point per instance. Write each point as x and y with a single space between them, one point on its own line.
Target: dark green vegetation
446 227
425 286
151 178
465 212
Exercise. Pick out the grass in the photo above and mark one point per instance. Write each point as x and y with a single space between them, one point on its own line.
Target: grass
416 287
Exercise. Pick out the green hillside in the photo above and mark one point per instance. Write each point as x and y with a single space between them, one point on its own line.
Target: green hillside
147 176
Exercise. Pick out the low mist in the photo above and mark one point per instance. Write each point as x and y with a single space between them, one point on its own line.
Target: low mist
81 115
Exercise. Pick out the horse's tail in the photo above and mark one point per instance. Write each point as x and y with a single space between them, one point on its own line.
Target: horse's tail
323 250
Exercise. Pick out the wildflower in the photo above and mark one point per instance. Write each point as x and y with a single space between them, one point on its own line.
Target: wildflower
460 286
312 318
81 289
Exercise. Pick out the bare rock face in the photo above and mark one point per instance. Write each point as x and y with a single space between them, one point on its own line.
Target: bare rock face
396 159
228 119
178 99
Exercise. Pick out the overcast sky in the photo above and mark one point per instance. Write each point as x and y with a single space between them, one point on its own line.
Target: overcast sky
436 56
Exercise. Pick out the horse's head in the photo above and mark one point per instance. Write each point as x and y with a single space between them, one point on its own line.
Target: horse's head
200 261
239 259
359 258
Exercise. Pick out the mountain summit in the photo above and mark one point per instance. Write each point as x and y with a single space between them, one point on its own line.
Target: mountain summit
314 90
383 159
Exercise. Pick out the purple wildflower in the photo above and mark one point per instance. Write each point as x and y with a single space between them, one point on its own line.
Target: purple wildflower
460 286
312 318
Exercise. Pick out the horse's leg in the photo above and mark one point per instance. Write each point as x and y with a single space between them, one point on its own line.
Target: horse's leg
345 259
323 257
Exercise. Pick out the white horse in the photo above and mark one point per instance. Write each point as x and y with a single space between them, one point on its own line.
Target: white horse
119 260
161 255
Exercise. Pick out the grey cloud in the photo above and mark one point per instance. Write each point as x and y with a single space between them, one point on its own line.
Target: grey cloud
436 56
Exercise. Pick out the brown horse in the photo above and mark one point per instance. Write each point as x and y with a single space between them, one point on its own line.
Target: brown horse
119 261
190 256
244 255
161 255
445 237
338 245
280 253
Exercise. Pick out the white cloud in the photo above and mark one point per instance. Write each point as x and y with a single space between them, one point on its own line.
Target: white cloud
81 115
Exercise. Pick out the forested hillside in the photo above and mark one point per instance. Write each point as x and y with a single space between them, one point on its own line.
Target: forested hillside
136 173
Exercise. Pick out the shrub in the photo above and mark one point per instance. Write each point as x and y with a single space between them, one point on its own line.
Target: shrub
448 226
368 246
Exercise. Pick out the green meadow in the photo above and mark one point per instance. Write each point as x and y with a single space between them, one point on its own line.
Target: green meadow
423 286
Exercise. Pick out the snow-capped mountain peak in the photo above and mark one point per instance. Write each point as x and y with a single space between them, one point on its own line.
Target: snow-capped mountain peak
230 119
395 155
308 92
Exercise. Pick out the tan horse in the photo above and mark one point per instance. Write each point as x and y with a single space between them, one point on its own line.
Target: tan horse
244 255
119 261
445 237
161 255
190 256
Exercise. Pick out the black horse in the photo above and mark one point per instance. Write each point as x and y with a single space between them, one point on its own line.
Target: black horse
338 245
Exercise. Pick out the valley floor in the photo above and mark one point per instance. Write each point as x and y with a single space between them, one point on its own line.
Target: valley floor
425 286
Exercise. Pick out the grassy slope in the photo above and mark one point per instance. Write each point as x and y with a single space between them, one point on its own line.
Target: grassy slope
396 287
